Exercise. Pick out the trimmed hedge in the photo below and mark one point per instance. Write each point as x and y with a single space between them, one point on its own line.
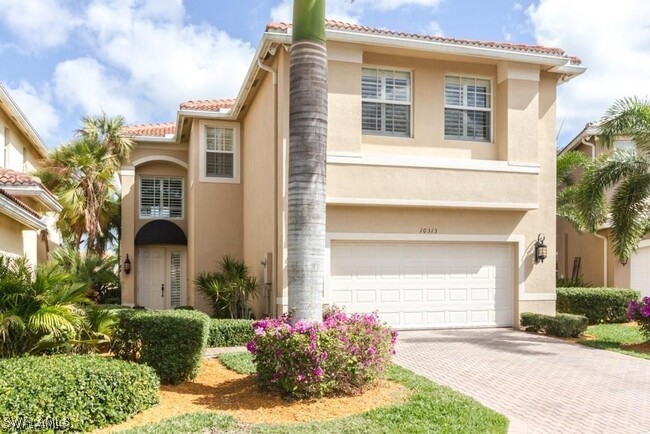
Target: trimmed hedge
230 332
599 305
170 341
72 393
562 325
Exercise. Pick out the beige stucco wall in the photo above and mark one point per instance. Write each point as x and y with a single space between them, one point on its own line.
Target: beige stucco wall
258 160
20 153
11 236
572 244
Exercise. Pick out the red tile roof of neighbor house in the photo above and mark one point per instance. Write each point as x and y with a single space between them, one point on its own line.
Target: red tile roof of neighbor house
20 203
340 25
12 178
150 130
208 104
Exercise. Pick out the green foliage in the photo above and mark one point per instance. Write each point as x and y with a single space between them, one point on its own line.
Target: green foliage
82 174
561 325
97 272
229 289
568 165
242 363
567 282
230 332
170 341
39 311
78 392
624 173
198 423
599 305
184 308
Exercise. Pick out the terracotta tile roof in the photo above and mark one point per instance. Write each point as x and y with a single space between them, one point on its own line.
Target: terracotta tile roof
208 104
150 130
12 178
20 203
339 25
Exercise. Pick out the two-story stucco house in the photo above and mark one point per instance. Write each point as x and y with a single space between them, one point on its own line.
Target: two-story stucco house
441 176
590 256
27 208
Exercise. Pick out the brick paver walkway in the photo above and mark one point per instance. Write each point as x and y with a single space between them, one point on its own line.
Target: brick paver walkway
543 385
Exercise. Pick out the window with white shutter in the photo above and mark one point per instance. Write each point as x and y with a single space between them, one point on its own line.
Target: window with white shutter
175 278
161 197
219 147
468 108
386 102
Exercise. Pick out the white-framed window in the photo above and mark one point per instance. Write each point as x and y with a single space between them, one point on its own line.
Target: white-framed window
161 197
219 152
468 108
626 145
386 102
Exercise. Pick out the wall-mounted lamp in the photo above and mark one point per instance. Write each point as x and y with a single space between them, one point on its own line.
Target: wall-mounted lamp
541 250
127 264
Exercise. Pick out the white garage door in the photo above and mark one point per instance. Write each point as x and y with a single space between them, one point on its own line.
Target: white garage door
419 285
640 271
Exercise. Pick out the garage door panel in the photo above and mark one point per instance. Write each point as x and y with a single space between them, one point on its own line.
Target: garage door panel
426 284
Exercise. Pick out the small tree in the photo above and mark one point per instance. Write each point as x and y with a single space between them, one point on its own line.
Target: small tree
230 289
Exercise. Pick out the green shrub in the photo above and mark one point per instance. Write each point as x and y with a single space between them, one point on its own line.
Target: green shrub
184 308
229 289
230 332
561 325
78 393
599 305
170 341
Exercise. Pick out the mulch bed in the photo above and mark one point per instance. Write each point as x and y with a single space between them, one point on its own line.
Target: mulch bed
218 389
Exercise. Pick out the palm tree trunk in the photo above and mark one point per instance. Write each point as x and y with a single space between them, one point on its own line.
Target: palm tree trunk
307 150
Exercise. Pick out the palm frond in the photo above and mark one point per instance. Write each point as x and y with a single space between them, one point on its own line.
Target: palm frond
628 116
629 213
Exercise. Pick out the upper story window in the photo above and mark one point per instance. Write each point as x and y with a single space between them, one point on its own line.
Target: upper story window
468 108
219 152
625 145
386 102
161 197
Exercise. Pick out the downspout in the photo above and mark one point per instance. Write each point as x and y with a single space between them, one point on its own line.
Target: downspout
585 142
275 260
605 252
592 146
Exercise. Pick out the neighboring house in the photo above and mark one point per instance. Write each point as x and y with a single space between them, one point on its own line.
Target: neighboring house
27 208
441 176
589 256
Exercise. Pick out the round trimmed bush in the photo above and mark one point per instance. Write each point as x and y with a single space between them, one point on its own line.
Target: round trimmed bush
599 305
74 393
230 332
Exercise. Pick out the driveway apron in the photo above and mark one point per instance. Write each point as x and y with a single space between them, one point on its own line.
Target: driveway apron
543 385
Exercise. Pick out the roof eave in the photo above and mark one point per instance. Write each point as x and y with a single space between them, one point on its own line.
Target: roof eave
42 195
14 211
32 134
588 131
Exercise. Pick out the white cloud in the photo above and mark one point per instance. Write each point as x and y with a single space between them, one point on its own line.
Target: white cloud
37 108
38 23
85 84
348 11
517 6
617 58
435 29
146 61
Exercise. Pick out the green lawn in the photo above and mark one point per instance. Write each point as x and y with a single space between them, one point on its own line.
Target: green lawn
611 336
430 408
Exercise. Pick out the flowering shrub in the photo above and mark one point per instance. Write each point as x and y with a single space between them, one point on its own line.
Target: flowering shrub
343 354
639 311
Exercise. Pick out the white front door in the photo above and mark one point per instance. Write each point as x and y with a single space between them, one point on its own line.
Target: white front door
425 285
162 278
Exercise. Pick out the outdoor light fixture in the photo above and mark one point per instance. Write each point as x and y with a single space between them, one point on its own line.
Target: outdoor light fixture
127 264
541 250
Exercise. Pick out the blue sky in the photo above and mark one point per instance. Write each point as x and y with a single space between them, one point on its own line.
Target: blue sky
62 59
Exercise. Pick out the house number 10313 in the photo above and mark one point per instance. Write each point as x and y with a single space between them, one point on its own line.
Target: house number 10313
428 230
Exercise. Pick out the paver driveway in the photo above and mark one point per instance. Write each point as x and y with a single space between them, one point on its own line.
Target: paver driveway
543 385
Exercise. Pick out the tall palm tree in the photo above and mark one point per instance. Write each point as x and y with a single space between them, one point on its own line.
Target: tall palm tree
625 173
307 150
82 174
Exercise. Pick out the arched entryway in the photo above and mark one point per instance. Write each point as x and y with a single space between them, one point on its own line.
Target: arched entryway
161 265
